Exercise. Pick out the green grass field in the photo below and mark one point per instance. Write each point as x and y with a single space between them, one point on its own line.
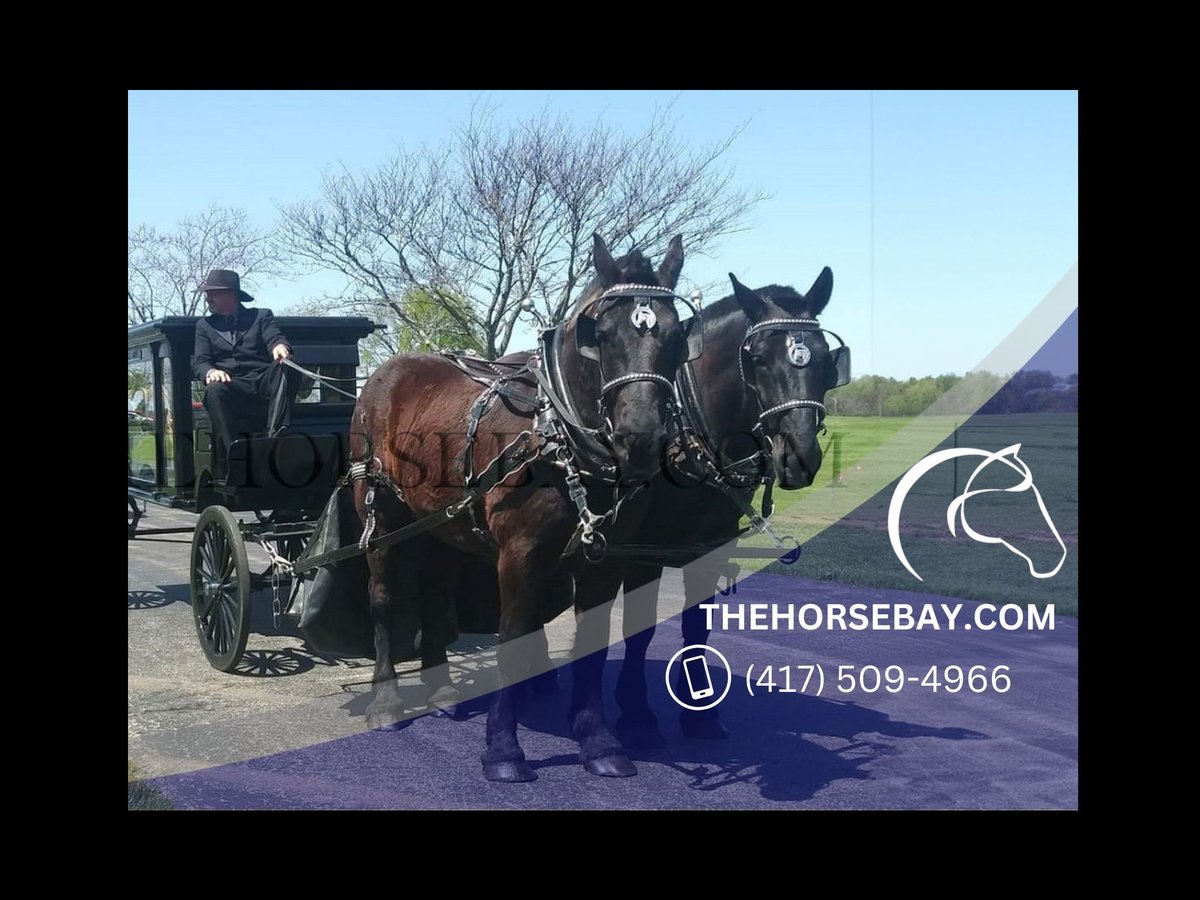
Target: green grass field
141 453
841 519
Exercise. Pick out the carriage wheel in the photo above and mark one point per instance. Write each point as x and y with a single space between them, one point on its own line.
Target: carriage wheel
220 588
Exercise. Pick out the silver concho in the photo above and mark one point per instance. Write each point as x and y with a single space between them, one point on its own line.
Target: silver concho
798 354
643 317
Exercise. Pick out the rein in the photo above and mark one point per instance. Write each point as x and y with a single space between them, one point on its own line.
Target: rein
323 380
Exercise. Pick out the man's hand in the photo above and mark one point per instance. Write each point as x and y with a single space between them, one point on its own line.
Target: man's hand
216 375
280 352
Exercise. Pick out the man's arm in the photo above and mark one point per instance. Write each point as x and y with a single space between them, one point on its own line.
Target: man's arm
202 358
273 337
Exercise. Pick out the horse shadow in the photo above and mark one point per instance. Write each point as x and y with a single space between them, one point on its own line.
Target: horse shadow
787 746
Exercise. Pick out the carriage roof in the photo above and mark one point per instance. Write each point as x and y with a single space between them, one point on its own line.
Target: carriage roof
299 329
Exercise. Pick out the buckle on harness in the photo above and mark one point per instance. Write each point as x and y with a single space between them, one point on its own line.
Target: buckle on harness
595 546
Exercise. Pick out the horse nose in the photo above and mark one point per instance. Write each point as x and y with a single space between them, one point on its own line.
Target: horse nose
638 453
796 462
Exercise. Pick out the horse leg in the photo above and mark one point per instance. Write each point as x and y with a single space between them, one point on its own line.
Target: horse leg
504 760
700 585
599 750
437 630
637 726
393 579
556 584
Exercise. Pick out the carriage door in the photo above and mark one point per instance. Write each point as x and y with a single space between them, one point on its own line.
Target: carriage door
143 445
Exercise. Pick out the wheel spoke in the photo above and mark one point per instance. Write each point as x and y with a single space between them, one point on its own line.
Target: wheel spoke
210 621
220 641
206 561
229 621
218 550
210 600
227 569
222 614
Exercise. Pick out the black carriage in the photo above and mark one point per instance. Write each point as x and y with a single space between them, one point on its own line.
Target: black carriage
284 481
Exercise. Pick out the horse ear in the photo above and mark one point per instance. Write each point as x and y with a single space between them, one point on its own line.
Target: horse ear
606 266
672 264
818 294
752 304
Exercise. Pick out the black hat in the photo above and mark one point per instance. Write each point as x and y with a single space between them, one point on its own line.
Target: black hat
224 280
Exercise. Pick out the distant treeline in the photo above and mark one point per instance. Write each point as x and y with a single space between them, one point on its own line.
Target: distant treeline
1027 391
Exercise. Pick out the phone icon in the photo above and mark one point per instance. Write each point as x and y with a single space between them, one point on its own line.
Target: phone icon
699 682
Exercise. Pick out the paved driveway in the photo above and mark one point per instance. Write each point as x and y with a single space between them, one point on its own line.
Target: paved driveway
288 731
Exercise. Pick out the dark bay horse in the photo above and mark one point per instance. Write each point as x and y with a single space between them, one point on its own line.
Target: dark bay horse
411 428
760 387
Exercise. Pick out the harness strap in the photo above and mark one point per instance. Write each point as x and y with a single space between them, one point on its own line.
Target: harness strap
561 406
498 383
797 404
636 376
757 522
512 459
696 437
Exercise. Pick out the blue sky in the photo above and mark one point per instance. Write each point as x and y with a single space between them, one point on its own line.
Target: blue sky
974 193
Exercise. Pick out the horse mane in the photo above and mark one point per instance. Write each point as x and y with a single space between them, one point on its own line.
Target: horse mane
636 269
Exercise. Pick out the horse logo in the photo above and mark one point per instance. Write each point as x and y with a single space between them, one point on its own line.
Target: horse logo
643 317
797 352
957 510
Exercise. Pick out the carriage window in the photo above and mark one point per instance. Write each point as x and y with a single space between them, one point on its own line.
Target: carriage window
142 456
168 418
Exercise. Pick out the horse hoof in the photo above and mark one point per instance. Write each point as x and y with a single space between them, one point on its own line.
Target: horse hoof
612 766
704 728
384 717
640 736
546 684
445 700
509 771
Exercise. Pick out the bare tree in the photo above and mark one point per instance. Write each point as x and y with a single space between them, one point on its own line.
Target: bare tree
165 267
497 223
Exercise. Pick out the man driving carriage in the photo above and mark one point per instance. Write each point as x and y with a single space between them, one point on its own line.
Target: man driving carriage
238 356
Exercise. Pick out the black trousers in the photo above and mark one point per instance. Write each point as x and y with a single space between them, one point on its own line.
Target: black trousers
259 401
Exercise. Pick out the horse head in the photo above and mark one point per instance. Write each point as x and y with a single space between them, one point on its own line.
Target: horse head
787 365
626 325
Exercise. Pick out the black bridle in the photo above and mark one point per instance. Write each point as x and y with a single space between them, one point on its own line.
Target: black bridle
799 355
645 321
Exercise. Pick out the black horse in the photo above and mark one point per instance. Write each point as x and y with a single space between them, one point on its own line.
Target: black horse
620 348
760 389
756 395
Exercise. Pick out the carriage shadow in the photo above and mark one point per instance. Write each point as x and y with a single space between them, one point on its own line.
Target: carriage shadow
278 663
788 747
164 596
256 663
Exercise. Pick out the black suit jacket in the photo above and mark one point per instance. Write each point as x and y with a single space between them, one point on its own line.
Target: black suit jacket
254 336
